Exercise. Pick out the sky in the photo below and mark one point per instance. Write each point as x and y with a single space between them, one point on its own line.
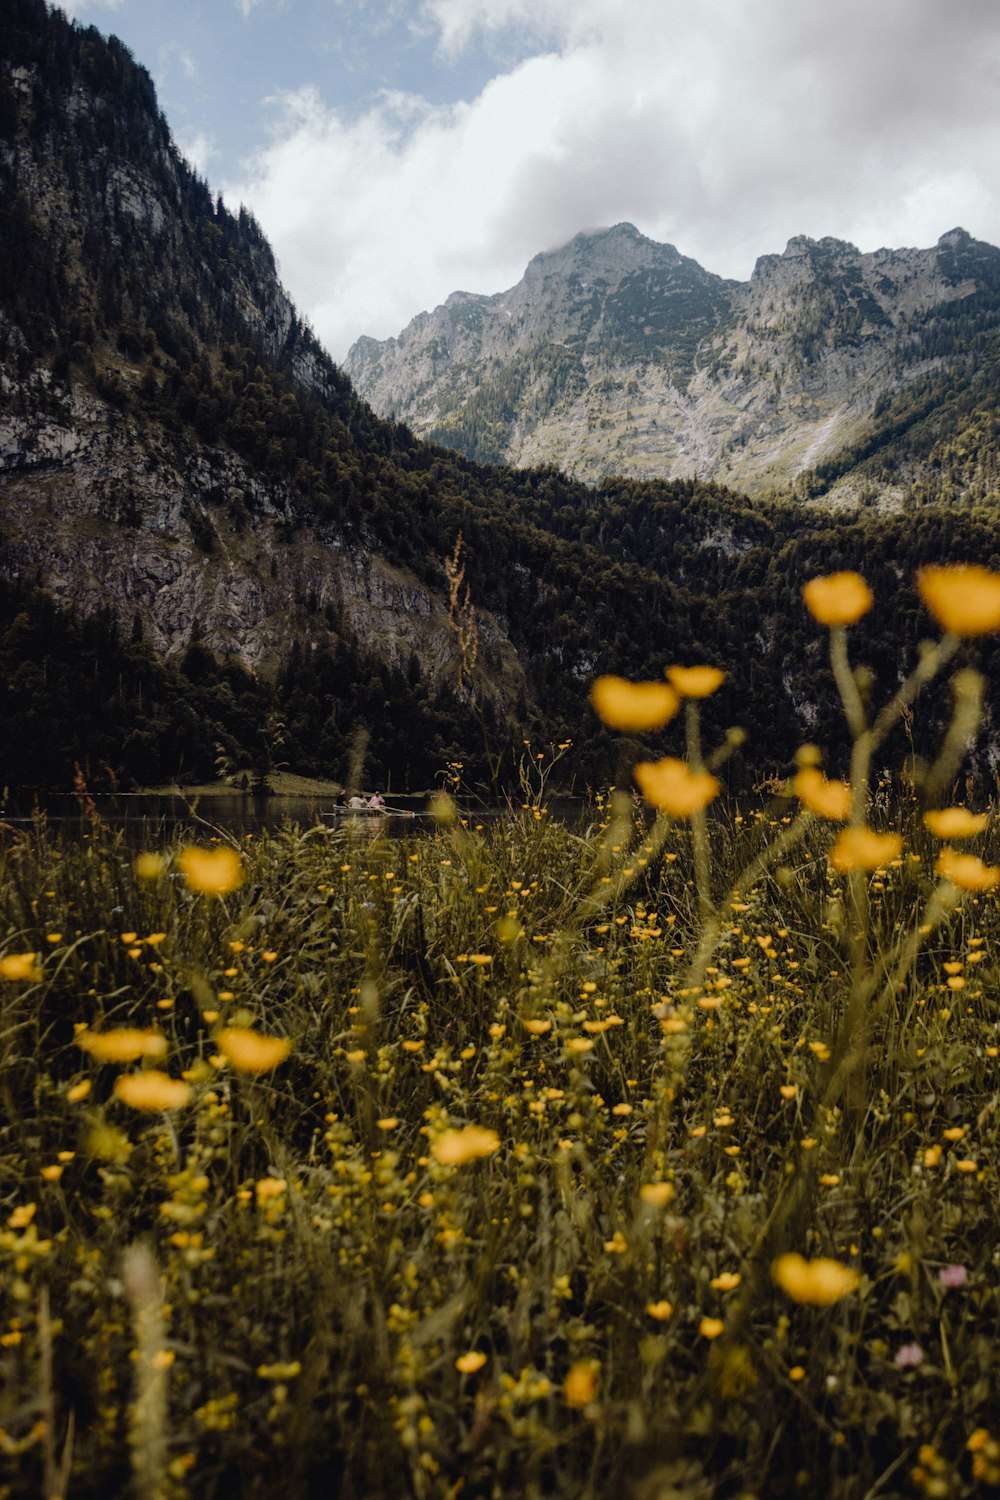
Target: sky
395 151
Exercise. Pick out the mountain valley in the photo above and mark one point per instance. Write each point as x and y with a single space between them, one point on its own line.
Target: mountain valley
214 554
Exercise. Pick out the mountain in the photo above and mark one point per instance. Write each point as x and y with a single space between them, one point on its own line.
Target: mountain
214 554
829 371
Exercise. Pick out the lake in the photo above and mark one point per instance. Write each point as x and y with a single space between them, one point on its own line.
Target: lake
145 816
141 814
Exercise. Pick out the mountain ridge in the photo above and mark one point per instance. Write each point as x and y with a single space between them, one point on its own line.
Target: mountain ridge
615 354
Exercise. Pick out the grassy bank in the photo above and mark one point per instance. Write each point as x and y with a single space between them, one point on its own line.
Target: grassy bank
279 783
308 1275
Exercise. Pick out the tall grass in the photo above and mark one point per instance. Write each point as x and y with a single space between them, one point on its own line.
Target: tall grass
513 1216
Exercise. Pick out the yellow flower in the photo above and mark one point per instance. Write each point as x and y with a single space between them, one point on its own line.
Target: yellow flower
122 1045
214 872
660 1310
149 866
816 1282
827 799
455 1147
471 1362
696 682
251 1051
79 1091
955 822
656 1194
152 1090
837 599
21 966
710 1328
286 1369
673 787
633 705
580 1385
963 598
270 1187
966 871
726 1281
864 849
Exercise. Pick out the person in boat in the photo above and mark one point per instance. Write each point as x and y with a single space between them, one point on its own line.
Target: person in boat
357 804
376 802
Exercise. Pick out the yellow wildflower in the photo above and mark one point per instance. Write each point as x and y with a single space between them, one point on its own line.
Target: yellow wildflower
966 871
838 598
21 966
827 799
455 1147
696 682
955 822
469 1363
634 706
251 1051
149 866
270 1187
963 598
152 1090
122 1045
710 1328
656 1194
818 1282
580 1385
726 1281
214 872
78 1091
864 849
673 787
660 1310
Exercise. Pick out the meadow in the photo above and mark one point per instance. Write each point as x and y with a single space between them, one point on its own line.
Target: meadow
653 1157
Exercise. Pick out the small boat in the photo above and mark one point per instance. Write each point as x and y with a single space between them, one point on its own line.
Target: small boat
339 811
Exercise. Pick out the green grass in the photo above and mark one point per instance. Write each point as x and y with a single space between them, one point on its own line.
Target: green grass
317 1271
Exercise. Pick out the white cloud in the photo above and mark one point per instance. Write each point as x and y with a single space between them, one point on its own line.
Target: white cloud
72 8
459 22
198 149
723 126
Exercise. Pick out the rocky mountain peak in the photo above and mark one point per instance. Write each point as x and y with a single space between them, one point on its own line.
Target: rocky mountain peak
618 354
609 253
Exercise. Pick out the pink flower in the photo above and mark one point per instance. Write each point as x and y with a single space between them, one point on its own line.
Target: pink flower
952 1276
908 1357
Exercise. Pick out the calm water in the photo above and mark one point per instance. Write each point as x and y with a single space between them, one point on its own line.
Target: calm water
141 814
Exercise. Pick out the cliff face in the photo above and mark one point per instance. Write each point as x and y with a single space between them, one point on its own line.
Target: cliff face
104 510
175 444
618 355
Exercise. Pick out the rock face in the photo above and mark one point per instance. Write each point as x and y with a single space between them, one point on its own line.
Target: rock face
106 512
616 354
174 443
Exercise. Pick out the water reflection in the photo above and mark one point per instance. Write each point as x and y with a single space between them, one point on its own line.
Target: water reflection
143 816
140 813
